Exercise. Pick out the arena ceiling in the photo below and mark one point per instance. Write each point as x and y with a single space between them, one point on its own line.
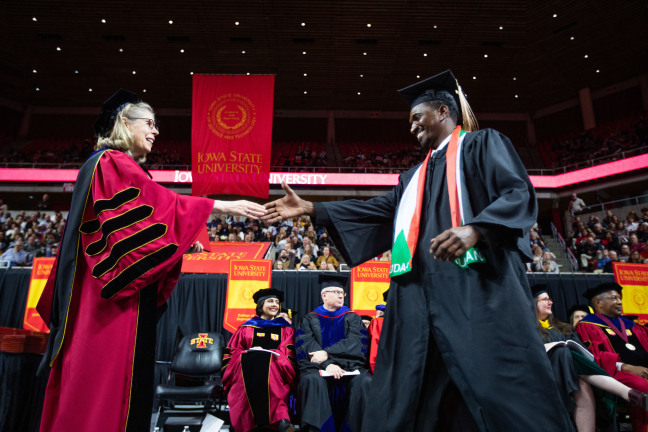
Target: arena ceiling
509 55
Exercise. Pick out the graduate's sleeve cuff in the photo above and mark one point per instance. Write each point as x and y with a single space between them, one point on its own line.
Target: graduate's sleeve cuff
321 215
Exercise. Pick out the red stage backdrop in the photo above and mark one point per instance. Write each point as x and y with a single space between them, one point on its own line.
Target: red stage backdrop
231 133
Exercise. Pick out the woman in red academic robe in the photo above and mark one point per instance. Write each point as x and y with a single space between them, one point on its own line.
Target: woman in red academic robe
259 367
118 262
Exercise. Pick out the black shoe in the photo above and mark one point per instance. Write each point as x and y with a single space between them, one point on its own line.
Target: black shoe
286 426
638 399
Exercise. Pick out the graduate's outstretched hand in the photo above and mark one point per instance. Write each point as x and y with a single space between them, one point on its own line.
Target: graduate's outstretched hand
453 242
335 370
289 206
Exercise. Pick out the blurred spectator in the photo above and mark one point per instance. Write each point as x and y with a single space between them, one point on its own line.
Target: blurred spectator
44 204
16 255
288 262
588 251
634 243
306 263
635 258
624 256
613 258
329 259
576 205
546 260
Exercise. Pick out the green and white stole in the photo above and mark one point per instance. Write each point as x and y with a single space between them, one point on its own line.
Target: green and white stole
408 215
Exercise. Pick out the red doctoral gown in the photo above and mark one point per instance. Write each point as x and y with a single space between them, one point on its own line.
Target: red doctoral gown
609 348
258 384
119 260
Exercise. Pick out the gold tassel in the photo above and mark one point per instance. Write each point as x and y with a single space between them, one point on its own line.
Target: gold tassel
469 120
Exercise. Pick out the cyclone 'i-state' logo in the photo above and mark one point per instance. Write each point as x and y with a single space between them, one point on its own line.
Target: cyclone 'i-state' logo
231 116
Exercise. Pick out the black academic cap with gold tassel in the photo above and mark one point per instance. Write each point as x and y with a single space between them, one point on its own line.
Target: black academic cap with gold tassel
442 87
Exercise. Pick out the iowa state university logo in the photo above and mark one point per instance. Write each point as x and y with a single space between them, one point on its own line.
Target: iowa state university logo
231 116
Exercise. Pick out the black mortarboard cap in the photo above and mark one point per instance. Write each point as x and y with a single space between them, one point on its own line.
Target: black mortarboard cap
441 87
538 289
110 109
601 288
366 317
332 280
291 312
268 293
579 307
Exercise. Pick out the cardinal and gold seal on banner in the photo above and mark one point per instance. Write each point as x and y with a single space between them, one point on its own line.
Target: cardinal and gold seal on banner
231 116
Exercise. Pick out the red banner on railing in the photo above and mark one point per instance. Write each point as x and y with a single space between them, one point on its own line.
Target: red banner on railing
218 259
368 283
244 279
41 268
634 280
231 134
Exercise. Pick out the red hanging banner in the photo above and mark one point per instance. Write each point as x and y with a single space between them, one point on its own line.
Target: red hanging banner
231 133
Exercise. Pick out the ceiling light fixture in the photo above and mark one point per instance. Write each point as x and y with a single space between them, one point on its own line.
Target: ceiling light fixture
555 15
418 76
485 55
134 72
586 56
305 74
103 21
35 71
89 89
37 89
304 52
181 50
236 23
368 25
305 92
359 93
34 19
144 91
58 48
121 49
474 77
303 24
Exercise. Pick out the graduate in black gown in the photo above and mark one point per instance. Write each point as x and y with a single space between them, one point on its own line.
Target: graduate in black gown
459 349
332 339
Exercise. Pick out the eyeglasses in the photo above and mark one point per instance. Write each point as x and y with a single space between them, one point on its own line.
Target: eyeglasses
548 300
149 121
337 293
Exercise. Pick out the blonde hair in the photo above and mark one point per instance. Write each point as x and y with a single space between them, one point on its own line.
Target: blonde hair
121 138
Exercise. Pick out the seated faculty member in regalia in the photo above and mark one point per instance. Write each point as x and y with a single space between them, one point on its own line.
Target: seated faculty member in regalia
332 341
619 345
259 367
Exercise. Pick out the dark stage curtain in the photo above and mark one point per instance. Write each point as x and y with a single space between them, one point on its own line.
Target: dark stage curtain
14 285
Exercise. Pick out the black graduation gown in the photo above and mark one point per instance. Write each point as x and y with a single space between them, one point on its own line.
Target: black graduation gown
326 403
478 324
